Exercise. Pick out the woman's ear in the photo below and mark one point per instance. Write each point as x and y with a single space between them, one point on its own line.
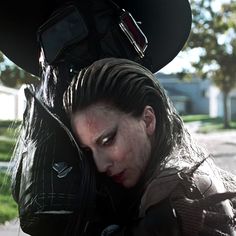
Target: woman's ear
149 119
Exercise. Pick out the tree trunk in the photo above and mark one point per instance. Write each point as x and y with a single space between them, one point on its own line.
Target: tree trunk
226 110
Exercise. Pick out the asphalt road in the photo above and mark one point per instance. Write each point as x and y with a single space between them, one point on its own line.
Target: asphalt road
221 145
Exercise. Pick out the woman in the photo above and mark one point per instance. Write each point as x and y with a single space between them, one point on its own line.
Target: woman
122 116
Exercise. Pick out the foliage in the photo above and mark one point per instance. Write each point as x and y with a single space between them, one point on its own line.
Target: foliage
210 127
8 207
1 58
12 76
213 33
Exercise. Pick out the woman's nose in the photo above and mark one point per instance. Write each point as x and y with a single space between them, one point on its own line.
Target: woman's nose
102 161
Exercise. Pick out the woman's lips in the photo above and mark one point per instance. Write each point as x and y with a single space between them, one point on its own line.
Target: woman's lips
119 178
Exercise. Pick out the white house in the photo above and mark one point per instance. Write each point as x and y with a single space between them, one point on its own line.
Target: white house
197 96
189 97
12 103
216 108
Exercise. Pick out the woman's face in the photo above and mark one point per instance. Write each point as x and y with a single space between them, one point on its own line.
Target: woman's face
120 143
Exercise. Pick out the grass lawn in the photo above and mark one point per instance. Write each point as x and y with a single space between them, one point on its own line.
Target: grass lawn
8 127
216 126
8 132
209 124
199 117
8 207
6 149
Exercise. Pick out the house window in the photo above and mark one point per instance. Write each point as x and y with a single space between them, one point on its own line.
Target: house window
204 93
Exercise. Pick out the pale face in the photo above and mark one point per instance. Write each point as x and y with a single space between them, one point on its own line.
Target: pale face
120 143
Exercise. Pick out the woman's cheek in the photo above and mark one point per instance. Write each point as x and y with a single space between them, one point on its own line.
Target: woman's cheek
119 153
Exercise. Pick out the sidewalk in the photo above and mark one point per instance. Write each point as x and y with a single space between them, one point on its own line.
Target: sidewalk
11 228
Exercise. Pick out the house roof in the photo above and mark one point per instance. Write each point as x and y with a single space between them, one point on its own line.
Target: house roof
176 95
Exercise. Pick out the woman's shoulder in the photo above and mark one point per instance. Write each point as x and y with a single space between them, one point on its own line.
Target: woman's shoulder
158 189
190 195
193 183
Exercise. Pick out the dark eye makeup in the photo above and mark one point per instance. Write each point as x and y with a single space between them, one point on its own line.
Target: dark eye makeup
108 138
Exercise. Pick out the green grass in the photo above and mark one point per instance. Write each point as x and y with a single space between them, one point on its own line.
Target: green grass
216 127
8 134
8 207
9 128
209 124
9 123
199 117
6 149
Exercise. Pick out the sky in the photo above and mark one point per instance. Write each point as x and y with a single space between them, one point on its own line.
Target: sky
180 62
183 59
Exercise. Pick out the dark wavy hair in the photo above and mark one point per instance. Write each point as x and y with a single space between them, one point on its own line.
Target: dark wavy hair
129 87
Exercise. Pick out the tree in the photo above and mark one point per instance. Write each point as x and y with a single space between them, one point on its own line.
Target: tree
12 76
214 33
1 58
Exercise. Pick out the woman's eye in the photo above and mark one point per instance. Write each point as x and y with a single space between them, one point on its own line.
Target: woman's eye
108 140
105 141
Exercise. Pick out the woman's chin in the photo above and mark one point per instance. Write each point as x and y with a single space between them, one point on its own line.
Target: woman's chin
129 183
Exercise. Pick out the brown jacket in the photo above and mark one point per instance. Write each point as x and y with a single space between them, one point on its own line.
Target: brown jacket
171 205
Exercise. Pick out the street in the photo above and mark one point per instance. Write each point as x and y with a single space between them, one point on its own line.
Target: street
222 145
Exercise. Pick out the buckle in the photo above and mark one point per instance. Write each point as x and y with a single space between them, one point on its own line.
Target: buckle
133 32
